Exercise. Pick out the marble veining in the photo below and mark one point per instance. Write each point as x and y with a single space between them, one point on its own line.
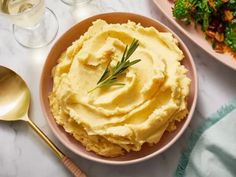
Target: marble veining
23 154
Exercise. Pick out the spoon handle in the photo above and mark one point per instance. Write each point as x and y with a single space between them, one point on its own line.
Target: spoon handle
68 163
72 167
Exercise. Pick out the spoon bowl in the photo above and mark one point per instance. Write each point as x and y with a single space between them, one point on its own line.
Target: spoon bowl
15 96
14 106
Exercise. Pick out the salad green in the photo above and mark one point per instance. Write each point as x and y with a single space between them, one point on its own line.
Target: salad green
217 19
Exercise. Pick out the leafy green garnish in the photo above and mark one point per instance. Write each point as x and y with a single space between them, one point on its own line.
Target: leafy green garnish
182 9
110 75
203 13
199 10
218 3
231 4
230 36
210 15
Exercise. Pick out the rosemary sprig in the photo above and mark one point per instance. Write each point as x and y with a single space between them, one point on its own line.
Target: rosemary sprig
110 75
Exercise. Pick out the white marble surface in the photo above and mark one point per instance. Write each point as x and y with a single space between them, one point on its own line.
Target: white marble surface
23 154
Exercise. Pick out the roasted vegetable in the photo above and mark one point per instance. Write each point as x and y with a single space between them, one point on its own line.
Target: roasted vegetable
216 17
199 10
182 9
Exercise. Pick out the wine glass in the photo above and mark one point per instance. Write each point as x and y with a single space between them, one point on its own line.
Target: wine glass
34 25
82 9
74 2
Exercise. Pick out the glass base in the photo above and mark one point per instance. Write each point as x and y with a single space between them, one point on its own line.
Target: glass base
40 35
74 2
83 11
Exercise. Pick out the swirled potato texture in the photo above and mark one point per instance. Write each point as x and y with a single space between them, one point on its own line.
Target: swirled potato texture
113 120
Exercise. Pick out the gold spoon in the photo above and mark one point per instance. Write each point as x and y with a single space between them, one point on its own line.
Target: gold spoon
14 105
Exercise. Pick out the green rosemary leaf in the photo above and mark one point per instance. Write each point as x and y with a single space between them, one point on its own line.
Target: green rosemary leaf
104 75
134 62
132 48
124 54
109 76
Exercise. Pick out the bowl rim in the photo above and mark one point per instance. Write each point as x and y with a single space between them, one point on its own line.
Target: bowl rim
171 142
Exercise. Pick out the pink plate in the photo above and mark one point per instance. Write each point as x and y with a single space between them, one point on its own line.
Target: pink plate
65 41
196 35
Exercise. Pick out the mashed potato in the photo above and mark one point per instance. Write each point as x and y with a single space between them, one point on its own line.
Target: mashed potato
117 119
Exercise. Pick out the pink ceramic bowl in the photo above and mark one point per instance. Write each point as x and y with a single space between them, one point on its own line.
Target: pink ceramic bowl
65 41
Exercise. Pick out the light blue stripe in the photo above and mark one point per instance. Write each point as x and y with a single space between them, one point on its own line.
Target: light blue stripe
221 113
